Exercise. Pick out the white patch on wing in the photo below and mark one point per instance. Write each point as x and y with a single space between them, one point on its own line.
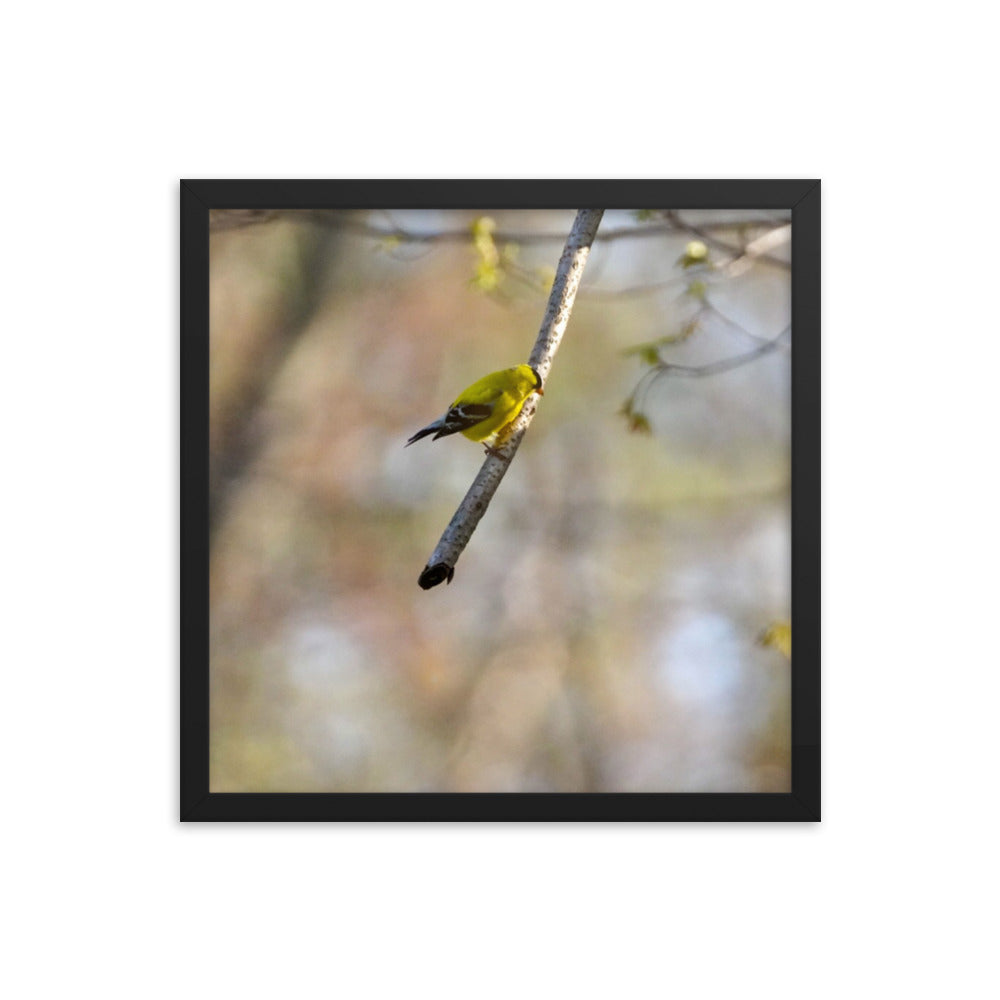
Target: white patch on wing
467 415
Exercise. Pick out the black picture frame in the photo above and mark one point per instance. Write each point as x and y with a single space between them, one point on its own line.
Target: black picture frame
197 199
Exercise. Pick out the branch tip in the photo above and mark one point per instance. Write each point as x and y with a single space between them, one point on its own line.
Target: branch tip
433 575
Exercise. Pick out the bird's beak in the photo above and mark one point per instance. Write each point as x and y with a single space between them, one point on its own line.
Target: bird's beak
541 392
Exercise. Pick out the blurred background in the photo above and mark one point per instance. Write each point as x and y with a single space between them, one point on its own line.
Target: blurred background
619 620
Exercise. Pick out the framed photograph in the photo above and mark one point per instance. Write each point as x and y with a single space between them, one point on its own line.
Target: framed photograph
497 508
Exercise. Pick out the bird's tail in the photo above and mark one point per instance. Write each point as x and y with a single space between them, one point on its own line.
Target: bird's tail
429 429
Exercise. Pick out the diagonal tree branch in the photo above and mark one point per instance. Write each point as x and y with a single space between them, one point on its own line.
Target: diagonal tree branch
441 565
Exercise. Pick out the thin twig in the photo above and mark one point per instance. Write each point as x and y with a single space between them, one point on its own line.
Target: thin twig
340 219
737 253
441 565
710 310
724 364
636 400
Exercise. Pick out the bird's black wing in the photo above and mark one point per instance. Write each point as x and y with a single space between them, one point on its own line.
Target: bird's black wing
462 417
458 418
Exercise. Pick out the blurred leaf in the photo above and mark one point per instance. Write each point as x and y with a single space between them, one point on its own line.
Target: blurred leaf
637 422
646 352
643 214
487 277
778 635
483 227
482 239
697 290
695 253
649 351
488 273
685 331
546 277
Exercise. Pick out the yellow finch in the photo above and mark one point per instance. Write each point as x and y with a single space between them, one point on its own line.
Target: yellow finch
487 407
